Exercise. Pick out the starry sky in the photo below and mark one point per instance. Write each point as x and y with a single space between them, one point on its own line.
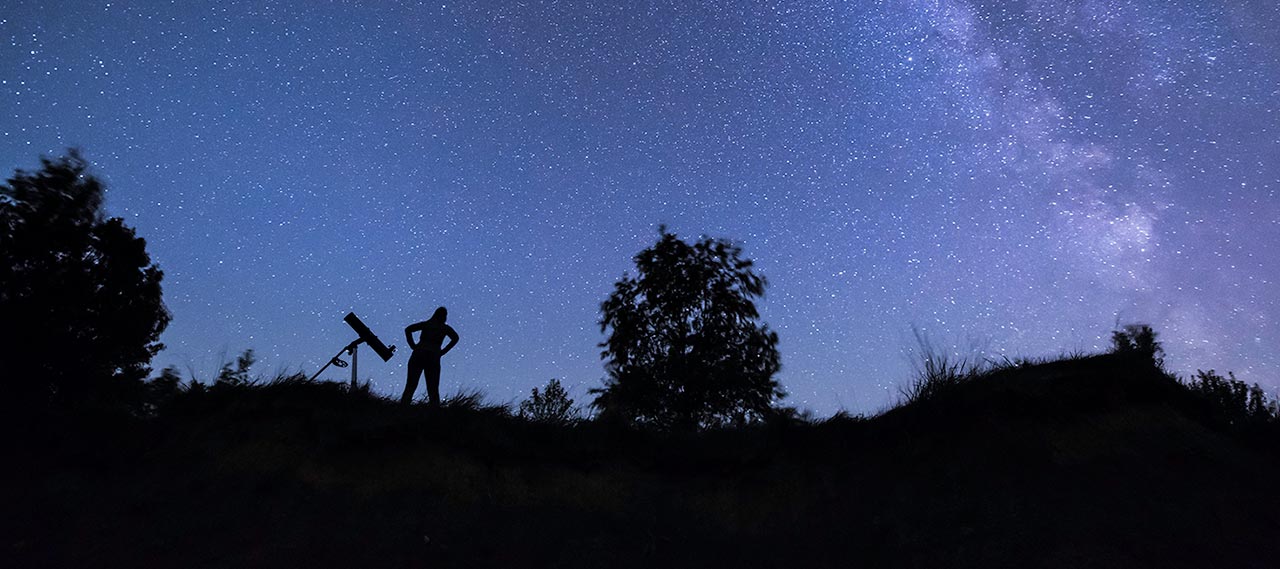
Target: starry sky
1011 177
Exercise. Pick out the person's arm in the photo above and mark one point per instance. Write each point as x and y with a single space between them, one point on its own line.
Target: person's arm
408 334
453 339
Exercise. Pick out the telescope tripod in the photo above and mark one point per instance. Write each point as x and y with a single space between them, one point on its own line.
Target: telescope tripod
337 361
366 337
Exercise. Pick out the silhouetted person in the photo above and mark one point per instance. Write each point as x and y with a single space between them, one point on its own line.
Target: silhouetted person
425 359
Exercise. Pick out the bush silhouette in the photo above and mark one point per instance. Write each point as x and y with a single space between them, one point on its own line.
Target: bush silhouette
1234 401
238 375
1138 340
161 390
552 405
684 349
79 296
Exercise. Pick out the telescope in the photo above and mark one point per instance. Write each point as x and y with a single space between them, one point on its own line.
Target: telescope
367 337
364 336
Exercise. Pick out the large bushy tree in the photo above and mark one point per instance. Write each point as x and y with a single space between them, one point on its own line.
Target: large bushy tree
684 348
80 298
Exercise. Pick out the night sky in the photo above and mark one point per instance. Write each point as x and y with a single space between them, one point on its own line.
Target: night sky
1013 178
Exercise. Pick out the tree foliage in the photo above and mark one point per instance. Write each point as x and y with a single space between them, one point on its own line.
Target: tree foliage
1138 340
684 349
552 405
1234 401
79 296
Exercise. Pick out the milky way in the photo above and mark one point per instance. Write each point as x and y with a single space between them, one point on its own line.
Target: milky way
1012 178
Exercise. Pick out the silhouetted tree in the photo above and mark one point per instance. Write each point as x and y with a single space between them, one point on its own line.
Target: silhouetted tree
684 349
551 405
1138 340
79 296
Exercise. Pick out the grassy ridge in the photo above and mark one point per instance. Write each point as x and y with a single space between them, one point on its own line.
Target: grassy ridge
1098 461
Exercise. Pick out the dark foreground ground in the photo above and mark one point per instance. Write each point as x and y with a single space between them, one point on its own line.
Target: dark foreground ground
1092 462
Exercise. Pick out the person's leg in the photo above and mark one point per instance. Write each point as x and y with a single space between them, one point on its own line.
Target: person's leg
432 373
411 384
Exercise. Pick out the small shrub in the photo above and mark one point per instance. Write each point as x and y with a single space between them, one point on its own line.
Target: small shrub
238 376
161 390
552 405
789 415
1138 340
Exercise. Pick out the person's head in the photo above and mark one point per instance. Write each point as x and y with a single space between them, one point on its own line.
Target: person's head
440 314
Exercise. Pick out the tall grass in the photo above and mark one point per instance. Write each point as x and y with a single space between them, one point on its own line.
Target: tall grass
472 401
937 372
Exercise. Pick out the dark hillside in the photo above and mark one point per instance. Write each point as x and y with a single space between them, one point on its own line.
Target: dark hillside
1101 461
1087 462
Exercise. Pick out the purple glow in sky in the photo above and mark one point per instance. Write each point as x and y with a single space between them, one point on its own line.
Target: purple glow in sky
1014 178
